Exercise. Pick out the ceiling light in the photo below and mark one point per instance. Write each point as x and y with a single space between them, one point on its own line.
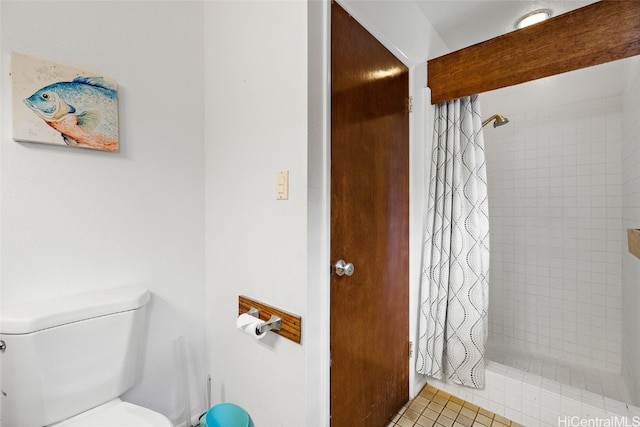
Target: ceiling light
533 18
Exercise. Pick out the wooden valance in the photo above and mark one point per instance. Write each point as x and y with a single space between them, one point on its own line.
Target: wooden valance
600 32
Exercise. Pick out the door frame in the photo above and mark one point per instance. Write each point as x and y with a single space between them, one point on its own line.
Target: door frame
317 318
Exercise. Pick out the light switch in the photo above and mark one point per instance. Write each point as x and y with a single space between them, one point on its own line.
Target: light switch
282 185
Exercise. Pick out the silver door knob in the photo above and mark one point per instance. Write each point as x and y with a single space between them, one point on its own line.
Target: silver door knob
343 268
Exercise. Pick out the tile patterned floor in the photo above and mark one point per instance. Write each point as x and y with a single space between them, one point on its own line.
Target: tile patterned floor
436 408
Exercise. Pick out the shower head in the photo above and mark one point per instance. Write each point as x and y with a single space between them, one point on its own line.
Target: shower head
499 120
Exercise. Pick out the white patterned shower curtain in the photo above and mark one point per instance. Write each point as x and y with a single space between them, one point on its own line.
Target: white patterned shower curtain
455 265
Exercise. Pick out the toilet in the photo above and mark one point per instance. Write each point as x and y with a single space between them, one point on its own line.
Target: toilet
66 362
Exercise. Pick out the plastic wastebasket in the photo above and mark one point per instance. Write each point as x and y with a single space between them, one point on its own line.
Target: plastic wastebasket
226 415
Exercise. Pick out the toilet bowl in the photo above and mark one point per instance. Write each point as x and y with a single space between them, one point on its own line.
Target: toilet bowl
66 362
117 413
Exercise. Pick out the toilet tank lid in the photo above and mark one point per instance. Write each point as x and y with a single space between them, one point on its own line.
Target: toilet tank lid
35 316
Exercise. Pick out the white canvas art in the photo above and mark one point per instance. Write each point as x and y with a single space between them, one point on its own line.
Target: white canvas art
56 104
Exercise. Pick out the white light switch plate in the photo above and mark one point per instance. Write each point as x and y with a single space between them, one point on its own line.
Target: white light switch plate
282 185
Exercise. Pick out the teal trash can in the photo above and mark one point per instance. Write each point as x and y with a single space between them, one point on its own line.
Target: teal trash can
225 415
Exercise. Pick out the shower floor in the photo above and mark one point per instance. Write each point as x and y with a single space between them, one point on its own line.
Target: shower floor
604 383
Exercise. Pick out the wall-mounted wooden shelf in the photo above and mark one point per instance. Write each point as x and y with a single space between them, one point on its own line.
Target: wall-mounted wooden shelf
634 241
290 322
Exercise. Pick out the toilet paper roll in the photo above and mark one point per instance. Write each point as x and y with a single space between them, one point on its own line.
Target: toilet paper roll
248 324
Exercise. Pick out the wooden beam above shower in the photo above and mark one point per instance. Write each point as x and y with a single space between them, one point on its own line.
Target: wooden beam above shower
604 31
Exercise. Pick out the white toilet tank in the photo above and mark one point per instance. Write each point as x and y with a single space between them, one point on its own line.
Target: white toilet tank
68 355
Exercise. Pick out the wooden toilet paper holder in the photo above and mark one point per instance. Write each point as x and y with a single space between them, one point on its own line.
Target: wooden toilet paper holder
289 324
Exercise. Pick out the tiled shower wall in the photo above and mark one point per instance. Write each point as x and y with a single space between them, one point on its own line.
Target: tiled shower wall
631 219
555 201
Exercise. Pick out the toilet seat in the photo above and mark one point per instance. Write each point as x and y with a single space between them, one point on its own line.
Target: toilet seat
117 413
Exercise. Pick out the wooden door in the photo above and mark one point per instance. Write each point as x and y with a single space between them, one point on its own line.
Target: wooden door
369 227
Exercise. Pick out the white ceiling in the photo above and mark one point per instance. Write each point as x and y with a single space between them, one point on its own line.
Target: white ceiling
462 23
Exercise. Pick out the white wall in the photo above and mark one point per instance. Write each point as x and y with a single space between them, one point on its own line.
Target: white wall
318 220
256 124
76 220
257 121
631 219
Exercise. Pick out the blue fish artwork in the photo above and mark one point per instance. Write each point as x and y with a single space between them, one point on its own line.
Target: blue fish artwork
84 111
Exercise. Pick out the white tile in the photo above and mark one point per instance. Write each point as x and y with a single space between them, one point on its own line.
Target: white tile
550 400
570 407
574 252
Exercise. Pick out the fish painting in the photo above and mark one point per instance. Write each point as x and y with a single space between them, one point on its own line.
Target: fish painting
64 105
84 111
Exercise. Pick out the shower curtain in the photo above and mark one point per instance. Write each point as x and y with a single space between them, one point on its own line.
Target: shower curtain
455 264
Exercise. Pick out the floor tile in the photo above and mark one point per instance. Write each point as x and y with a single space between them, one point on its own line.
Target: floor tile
431 414
468 413
412 415
483 419
465 421
444 421
436 408
405 422
453 406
